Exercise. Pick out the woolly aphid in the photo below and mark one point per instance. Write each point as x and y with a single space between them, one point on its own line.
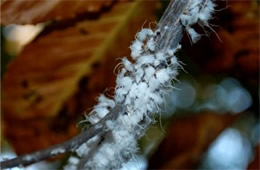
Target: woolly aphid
200 11
140 86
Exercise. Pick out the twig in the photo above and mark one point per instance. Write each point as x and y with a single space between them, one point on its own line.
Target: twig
67 146
171 32
92 151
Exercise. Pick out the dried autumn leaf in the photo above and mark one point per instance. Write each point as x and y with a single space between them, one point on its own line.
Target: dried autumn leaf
35 11
187 139
43 81
240 47
34 134
236 49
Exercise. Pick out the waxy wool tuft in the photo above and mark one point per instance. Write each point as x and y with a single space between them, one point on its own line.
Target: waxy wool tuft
141 86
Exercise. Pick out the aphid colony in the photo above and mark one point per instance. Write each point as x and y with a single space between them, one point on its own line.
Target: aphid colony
200 11
140 86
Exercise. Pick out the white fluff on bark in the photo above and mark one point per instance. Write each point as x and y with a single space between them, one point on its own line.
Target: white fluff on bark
141 89
140 86
200 11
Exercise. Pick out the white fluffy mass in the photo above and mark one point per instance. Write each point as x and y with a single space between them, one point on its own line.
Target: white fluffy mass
199 12
140 86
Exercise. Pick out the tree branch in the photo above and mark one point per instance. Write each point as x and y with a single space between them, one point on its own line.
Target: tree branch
170 27
67 146
171 32
91 152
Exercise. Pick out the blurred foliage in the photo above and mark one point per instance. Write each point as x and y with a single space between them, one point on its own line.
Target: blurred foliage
223 76
5 57
33 12
59 74
187 139
235 52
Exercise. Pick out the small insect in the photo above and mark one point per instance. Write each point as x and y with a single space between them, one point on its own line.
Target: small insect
138 75
92 117
128 65
125 82
156 62
149 72
193 34
144 34
173 62
162 75
133 92
142 87
145 59
156 98
101 111
153 84
105 102
150 44
160 56
136 48
120 95
120 75
200 12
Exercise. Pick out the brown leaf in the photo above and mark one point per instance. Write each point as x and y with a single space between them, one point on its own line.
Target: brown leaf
52 77
240 47
35 11
187 140
34 134
236 51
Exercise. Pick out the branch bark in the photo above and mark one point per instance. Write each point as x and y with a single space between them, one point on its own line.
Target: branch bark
67 146
171 32
92 151
170 27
